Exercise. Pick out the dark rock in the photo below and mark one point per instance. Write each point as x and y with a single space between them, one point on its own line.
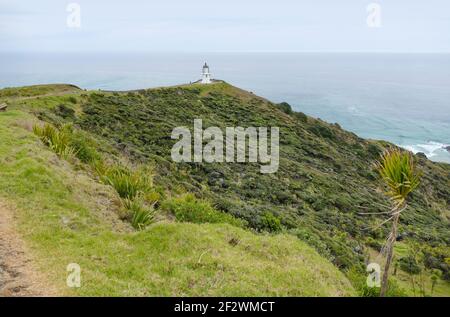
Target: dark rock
422 155
285 107
402 236
216 174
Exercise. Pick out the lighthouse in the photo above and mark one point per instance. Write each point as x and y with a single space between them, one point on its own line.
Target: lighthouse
206 75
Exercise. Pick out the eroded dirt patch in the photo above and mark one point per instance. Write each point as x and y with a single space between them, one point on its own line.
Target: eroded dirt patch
18 277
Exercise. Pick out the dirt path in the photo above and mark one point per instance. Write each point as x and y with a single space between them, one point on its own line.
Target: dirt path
18 277
61 93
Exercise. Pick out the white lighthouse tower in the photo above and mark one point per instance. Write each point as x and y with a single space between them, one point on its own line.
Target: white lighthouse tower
206 75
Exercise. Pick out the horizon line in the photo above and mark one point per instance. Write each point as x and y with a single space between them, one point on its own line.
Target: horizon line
223 52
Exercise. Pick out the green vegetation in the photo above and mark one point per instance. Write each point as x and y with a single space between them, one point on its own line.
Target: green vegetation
57 139
285 107
68 217
187 208
397 169
85 148
270 223
135 189
326 195
360 284
130 184
141 215
37 90
409 265
68 143
127 182
417 278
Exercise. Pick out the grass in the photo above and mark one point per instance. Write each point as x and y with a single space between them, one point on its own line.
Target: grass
325 181
37 90
404 280
187 208
66 217
130 184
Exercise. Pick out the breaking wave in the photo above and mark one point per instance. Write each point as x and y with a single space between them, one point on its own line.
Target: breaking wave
431 149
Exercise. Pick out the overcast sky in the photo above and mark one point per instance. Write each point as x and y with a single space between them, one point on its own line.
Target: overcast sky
231 25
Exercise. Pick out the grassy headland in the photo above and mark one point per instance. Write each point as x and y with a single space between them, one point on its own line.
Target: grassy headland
325 196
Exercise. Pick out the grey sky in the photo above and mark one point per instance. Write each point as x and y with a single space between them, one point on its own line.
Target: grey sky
232 25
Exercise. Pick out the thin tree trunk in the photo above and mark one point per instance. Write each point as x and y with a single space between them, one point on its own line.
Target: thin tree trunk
390 252
422 284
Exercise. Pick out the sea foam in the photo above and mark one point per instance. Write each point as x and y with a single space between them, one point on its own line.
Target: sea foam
430 149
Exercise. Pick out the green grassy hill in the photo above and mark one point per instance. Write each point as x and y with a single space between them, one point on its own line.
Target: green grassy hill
316 200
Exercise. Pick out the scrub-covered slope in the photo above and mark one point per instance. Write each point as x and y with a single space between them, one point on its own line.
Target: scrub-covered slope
324 183
325 193
65 215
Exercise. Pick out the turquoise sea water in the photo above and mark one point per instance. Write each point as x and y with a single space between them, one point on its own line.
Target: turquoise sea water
402 98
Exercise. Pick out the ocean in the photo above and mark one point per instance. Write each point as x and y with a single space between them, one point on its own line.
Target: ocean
402 98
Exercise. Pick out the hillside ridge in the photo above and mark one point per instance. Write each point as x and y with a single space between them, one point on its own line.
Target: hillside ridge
326 192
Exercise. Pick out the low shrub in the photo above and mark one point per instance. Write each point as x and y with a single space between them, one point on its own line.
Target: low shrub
68 142
438 258
152 197
187 208
140 215
65 112
313 240
322 131
409 265
128 183
359 280
301 116
56 139
285 107
270 223
85 149
377 245
72 99
374 150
